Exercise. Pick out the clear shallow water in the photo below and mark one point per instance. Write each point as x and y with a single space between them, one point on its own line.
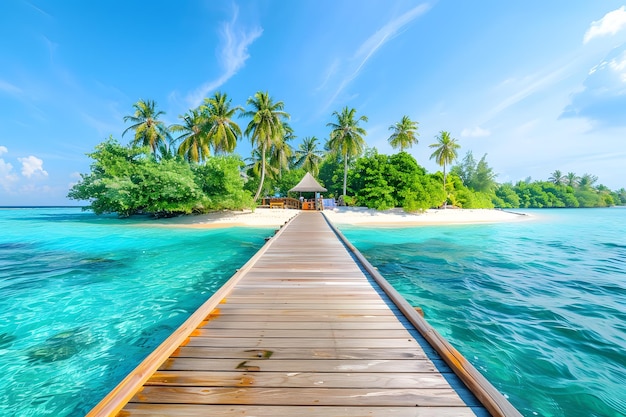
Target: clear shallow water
83 299
538 306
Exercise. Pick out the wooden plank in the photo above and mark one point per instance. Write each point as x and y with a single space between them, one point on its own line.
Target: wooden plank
300 396
300 353
192 410
308 307
391 324
428 380
339 312
263 343
306 333
298 365
262 318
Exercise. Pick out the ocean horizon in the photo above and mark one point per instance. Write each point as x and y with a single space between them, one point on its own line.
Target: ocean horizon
536 306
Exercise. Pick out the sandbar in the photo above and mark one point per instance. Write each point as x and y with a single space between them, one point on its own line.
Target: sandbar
356 216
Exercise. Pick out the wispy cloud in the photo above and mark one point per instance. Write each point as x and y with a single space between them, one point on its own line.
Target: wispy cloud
610 24
9 88
528 86
43 12
330 72
372 44
387 32
233 55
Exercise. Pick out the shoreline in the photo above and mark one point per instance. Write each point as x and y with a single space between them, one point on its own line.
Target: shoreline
351 216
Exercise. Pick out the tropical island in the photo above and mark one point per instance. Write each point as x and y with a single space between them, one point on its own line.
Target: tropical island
191 167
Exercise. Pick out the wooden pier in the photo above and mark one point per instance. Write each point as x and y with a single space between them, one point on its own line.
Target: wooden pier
305 329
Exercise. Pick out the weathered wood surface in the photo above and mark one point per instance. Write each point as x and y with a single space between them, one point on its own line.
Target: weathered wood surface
190 410
302 332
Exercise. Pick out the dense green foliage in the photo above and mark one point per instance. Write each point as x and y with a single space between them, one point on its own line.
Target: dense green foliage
383 182
158 175
128 181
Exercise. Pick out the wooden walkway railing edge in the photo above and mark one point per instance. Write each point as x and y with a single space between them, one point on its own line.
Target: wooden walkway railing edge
485 392
134 381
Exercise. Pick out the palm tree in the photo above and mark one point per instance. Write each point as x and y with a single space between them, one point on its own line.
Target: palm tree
254 163
281 152
571 179
404 134
445 152
194 145
308 156
266 127
346 138
149 130
587 180
223 132
557 177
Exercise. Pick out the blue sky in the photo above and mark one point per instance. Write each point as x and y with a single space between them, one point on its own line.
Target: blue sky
537 85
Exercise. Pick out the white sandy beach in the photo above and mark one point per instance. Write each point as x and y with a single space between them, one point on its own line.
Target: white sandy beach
265 217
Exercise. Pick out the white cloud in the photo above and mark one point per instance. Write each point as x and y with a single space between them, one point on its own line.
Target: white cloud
375 42
233 55
618 65
610 24
603 97
475 132
32 165
7 176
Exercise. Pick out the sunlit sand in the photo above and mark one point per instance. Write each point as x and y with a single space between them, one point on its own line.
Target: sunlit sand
265 217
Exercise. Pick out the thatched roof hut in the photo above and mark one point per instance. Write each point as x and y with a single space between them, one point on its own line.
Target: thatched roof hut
308 184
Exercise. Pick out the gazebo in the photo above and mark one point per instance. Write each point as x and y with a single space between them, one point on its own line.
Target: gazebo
308 184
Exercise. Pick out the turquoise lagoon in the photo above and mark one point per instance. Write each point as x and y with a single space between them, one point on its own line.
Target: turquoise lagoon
83 299
538 306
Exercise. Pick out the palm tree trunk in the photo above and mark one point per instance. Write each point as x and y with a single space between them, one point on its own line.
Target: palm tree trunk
345 175
258 191
445 202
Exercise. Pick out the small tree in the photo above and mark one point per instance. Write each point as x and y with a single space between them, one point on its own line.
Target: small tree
346 138
404 134
445 152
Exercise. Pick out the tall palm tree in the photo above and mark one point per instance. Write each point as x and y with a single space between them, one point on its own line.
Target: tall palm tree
404 134
571 179
346 138
445 152
557 177
222 132
265 127
149 130
194 142
281 152
308 156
